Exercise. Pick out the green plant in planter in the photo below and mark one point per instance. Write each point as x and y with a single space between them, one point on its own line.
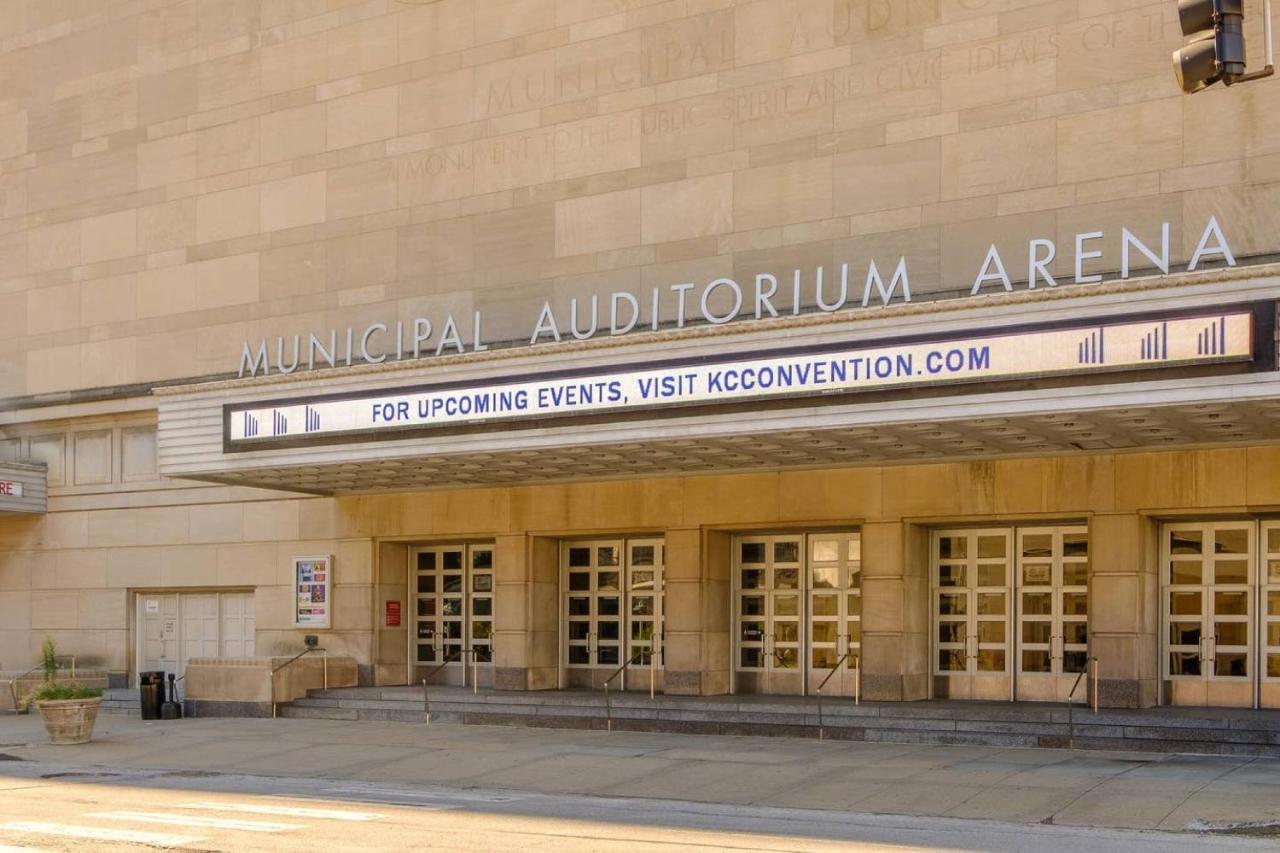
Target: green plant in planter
51 690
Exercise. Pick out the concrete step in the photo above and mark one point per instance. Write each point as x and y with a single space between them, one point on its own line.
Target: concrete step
1161 730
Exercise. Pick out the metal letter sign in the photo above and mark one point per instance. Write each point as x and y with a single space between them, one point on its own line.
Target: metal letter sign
1084 350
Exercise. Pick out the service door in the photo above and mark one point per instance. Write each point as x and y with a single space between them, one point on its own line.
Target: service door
158 643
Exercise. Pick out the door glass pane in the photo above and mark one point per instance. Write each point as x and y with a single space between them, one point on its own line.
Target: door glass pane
453 561
786 552
951 632
1231 633
1231 665
1231 571
752 632
1184 663
1273 666
609 581
991 547
608 606
1075 633
824 658
1075 604
826 551
1037 632
855 549
991 632
1231 603
482 583
481 630
1037 574
427 584
452 607
1037 545
642 605
579 630
991 660
642 580
786 578
482 607
991 604
1074 661
826 605
786 605
1037 603
1273 571
579 581
453 583
1075 574
855 604
952 660
482 559
1035 661
824 632
752 605
1231 541
826 578
751 552
951 575
753 578
952 604
579 606
1186 542
751 658
426 561
608 555
1075 544
788 658
1273 602
641 632
608 656
426 607
579 558
991 575
642 555
953 547
579 655
1186 572
786 632
1184 603
1184 633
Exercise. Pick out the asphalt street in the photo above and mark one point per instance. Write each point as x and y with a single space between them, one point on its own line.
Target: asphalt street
47 807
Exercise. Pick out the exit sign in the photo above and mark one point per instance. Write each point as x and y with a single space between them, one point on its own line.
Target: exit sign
10 489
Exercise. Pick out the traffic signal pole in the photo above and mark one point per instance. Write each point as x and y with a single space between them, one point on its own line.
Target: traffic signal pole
1269 46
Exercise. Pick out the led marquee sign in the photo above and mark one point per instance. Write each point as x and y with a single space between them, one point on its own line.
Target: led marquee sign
1082 350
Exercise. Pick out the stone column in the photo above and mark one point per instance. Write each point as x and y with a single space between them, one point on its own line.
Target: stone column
391 656
526 612
1124 609
696 616
895 612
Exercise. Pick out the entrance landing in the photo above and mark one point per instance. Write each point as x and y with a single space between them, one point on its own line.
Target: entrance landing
1218 731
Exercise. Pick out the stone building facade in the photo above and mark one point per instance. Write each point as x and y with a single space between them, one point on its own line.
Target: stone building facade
232 230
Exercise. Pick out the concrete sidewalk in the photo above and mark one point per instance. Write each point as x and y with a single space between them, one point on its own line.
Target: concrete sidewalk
1125 790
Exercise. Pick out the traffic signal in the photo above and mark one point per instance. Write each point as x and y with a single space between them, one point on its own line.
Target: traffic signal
1216 49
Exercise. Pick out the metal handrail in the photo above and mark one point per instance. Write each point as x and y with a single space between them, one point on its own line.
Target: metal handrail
290 662
1090 664
13 682
857 685
608 700
438 668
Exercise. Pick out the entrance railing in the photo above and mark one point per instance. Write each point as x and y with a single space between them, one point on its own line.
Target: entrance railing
440 667
608 699
1091 667
290 662
857 686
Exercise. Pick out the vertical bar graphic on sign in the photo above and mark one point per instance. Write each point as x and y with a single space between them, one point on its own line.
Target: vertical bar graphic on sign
1092 350
1155 346
250 425
279 423
312 420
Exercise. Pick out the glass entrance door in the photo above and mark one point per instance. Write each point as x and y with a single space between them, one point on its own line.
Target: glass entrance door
1209 606
1053 612
797 612
972 574
1269 608
613 599
452 591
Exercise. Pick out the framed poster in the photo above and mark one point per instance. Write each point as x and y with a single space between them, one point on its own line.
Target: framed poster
313 583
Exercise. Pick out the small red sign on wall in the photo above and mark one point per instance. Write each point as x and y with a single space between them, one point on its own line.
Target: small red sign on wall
393 614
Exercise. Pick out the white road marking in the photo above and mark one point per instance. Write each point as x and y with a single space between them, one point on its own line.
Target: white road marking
283 811
197 821
92 833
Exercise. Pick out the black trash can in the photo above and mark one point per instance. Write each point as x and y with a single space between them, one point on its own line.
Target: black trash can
151 694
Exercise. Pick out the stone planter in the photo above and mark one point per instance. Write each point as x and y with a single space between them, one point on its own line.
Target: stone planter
69 721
